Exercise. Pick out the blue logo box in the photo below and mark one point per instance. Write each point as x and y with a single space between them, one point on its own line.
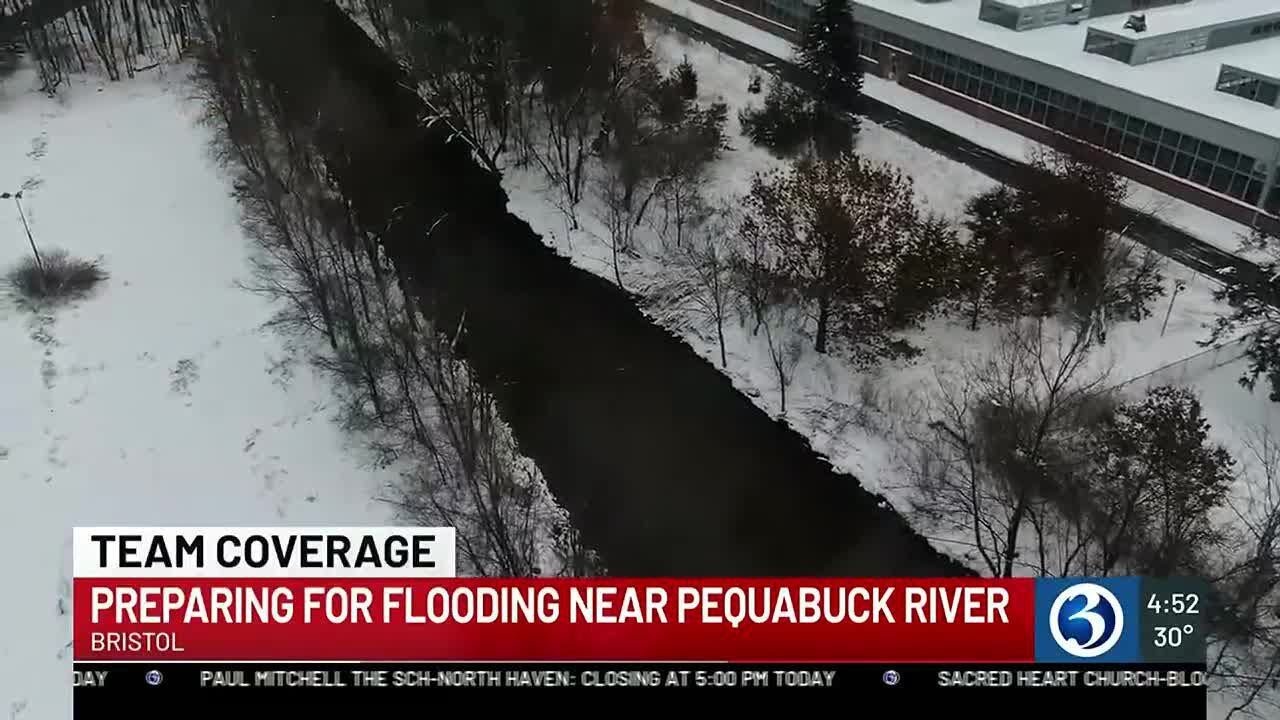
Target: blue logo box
1088 620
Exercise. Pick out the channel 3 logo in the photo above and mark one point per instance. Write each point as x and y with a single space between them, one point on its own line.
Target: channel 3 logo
1087 620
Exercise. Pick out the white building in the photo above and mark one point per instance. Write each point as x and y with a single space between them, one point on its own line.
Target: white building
1185 93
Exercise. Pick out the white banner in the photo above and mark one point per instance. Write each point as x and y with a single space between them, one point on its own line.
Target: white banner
265 552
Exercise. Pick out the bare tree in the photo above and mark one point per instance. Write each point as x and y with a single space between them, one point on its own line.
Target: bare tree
1244 657
998 444
683 156
701 281
465 64
1123 286
757 276
402 387
619 216
786 345
100 19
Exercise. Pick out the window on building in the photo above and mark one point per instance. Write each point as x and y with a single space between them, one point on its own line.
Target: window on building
1001 15
1114 139
1238 184
1146 152
1224 170
1129 146
1109 46
1273 200
1266 28
1182 165
1253 192
1220 181
1246 85
1268 93
1200 172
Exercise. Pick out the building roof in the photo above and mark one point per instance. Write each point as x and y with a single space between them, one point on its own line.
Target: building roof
1264 67
1186 82
1189 16
1026 3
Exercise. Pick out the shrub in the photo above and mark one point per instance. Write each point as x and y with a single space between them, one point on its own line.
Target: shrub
58 277
783 124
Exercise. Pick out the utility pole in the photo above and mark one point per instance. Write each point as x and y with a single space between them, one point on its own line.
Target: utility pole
1177 288
17 200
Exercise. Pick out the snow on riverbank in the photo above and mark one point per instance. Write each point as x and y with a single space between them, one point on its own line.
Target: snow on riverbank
158 400
856 418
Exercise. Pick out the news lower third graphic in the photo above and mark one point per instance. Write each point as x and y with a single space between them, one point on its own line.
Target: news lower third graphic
237 615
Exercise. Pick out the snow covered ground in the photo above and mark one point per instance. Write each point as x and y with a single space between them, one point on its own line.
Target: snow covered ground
857 418
851 416
1214 229
158 400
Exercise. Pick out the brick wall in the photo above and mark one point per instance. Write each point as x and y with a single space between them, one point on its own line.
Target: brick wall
749 18
1194 194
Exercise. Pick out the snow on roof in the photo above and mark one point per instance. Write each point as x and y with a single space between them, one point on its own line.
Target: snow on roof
1263 64
1026 3
1186 82
1189 16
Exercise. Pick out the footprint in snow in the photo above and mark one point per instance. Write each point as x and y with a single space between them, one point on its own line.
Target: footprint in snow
183 375
39 147
48 373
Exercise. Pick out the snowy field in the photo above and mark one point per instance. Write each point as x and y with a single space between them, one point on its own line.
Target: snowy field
849 415
857 419
158 400
1143 353
1214 229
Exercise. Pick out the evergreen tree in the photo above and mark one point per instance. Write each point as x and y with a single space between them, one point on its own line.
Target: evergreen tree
828 52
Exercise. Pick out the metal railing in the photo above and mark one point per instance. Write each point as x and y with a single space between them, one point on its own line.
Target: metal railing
1188 369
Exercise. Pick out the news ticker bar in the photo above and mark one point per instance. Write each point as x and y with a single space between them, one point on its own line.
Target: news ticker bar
101 689
159 678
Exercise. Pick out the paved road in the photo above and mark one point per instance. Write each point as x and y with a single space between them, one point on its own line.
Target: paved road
1166 239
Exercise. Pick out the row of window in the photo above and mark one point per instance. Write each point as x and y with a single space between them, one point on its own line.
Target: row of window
1221 169
1266 28
1107 46
1247 86
791 13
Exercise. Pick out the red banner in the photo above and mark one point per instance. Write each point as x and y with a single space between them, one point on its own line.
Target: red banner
359 619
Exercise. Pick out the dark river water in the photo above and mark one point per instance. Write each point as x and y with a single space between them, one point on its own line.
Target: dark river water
664 466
